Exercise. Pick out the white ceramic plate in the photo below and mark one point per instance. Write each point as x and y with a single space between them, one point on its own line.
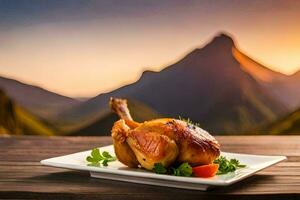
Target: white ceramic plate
117 171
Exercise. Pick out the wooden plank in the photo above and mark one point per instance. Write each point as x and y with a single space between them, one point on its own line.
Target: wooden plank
21 175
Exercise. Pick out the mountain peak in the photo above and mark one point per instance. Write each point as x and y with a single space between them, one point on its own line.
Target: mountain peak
223 39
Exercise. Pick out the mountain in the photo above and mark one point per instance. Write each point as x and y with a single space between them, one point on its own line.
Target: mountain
208 86
288 90
282 87
289 124
39 101
15 120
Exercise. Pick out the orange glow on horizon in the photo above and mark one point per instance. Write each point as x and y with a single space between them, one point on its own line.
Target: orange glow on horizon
85 57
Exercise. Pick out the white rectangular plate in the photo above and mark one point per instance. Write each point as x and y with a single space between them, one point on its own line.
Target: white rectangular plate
117 171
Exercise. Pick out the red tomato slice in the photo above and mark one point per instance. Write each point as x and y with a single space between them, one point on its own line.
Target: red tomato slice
206 171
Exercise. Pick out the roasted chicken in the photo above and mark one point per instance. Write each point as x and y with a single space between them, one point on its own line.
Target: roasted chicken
164 141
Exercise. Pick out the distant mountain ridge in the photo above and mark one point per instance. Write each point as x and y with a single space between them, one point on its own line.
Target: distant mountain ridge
39 101
288 90
208 85
283 87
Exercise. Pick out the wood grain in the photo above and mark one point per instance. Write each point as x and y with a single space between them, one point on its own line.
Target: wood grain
22 176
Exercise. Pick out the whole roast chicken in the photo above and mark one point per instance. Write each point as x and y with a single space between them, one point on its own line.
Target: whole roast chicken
164 141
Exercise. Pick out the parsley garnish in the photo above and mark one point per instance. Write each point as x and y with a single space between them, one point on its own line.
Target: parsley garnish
182 170
96 158
226 166
159 168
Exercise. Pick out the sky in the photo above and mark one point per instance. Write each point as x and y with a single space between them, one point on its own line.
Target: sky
83 48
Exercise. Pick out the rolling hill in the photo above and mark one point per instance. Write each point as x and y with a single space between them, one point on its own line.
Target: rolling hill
209 85
15 120
289 124
39 101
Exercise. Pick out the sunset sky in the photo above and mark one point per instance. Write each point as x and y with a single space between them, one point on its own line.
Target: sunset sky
83 48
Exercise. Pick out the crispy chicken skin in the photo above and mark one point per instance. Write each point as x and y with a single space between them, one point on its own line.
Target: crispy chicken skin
162 141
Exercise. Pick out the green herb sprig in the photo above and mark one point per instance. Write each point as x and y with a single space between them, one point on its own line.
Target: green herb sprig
226 165
96 158
189 121
182 170
159 169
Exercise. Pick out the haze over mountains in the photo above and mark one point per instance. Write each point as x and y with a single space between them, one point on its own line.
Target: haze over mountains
216 85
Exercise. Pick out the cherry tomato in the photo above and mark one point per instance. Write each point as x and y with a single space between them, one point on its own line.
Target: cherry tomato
205 171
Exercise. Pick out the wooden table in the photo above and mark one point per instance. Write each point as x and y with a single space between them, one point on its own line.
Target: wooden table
22 176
